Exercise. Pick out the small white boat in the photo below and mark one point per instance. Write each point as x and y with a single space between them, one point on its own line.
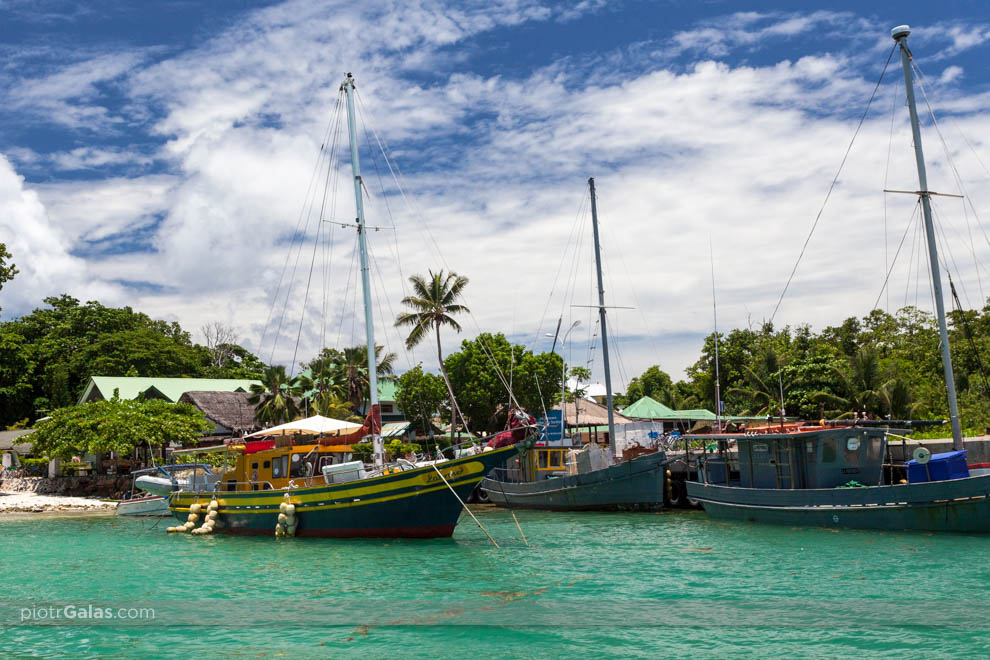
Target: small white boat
149 505
164 479
150 487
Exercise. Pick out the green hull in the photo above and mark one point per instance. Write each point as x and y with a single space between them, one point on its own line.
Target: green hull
958 505
409 504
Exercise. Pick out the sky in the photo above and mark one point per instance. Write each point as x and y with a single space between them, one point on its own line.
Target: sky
162 156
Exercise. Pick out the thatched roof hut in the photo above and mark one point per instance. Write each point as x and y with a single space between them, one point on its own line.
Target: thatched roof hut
230 412
583 412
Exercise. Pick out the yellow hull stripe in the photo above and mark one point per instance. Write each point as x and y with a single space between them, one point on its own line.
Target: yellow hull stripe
304 495
339 505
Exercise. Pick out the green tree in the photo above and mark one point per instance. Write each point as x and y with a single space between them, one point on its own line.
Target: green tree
434 306
422 396
481 372
16 376
7 270
323 386
654 383
143 350
71 341
117 426
579 375
238 362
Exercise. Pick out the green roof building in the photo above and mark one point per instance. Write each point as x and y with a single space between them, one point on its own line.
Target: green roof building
169 389
648 408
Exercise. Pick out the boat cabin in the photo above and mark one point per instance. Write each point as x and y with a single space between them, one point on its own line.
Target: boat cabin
275 467
809 458
269 465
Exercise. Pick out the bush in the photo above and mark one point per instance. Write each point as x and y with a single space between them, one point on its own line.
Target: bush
362 451
398 449
35 466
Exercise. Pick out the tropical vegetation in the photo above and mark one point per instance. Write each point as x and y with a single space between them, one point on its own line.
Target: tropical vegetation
118 426
433 306
884 365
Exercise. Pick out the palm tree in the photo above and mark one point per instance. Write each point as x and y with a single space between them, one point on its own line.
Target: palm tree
276 397
433 305
352 372
862 386
325 389
760 388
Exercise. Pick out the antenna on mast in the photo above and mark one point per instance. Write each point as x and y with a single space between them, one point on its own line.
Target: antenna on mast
900 34
718 391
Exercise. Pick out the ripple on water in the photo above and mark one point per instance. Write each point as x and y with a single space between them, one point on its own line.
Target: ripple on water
635 585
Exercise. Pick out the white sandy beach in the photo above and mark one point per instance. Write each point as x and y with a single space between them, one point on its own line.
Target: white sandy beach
34 503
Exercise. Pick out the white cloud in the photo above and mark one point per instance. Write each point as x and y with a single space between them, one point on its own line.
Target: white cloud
39 251
741 153
67 96
950 74
94 158
92 211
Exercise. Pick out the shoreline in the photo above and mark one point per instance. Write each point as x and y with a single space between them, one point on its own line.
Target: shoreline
17 502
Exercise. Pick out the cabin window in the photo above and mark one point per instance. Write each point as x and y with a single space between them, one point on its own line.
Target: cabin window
875 449
550 459
254 466
325 459
267 464
302 465
279 468
829 450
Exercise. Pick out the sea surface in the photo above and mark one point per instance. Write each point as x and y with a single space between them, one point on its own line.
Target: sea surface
587 585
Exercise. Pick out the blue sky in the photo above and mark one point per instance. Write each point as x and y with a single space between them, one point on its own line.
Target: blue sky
158 155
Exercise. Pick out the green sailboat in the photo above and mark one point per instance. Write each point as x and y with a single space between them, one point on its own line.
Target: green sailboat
341 499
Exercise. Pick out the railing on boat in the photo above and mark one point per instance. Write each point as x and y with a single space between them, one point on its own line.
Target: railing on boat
223 486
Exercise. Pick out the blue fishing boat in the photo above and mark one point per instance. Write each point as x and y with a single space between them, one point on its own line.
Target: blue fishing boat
834 477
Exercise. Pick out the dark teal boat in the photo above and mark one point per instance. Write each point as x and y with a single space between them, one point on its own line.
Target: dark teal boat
564 477
636 484
833 477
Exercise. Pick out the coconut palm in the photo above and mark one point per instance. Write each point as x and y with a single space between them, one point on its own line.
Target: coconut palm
761 390
433 306
862 385
352 370
325 388
275 399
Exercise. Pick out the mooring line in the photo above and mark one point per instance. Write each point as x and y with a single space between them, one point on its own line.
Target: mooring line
470 513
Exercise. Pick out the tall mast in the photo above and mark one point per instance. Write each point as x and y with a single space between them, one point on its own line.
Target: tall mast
718 391
900 35
601 316
369 327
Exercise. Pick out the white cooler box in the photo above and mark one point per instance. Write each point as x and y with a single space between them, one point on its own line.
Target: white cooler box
343 472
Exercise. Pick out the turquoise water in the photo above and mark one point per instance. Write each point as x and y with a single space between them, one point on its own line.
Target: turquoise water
632 585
